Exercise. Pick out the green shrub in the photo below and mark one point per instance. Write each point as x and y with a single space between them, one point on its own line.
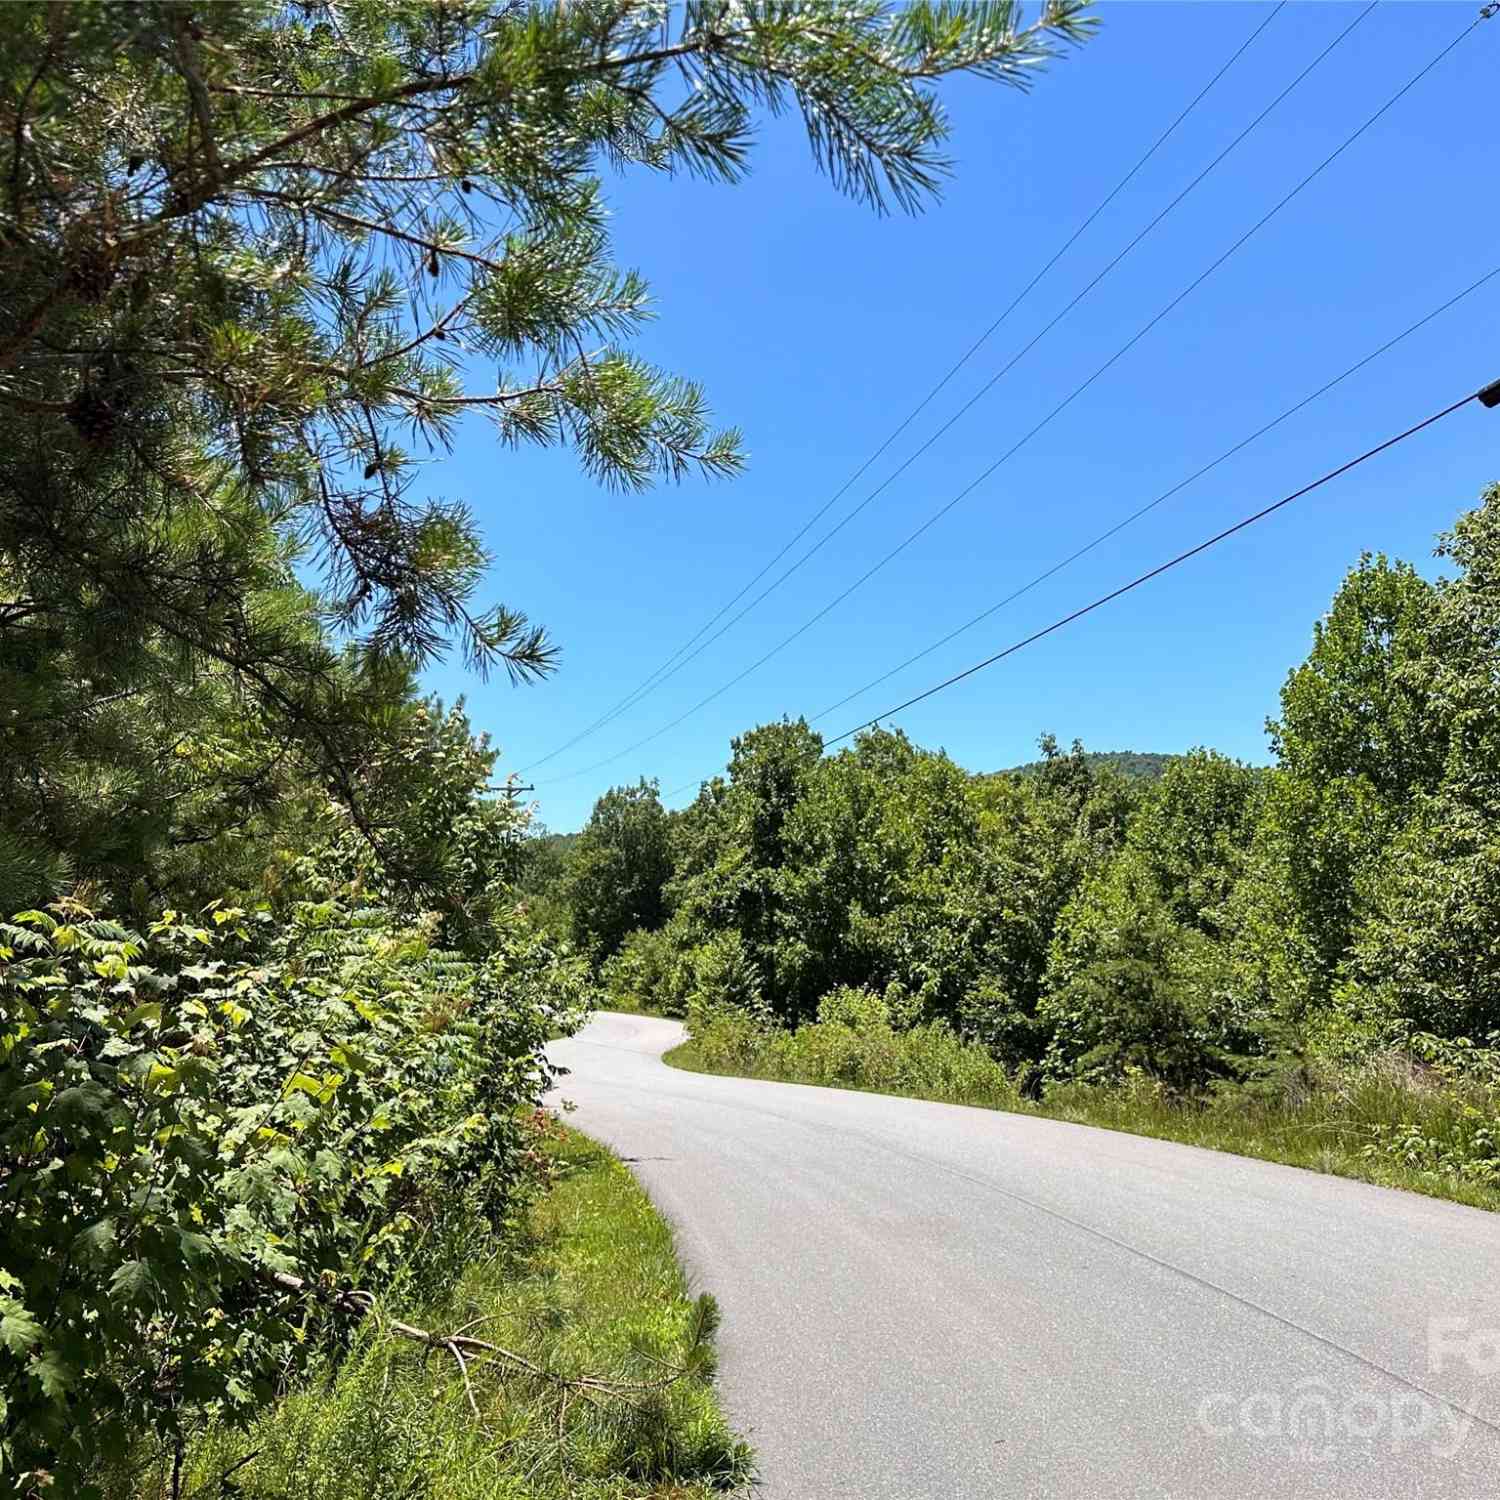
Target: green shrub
1448 1119
848 1005
585 1286
724 977
853 1045
189 1115
655 971
1422 1115
649 971
727 1041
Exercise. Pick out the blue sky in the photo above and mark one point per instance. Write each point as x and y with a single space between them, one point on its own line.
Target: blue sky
817 326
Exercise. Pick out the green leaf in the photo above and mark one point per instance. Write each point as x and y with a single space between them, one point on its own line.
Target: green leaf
19 1331
132 1283
97 1238
55 1376
150 1013
350 1058
160 1079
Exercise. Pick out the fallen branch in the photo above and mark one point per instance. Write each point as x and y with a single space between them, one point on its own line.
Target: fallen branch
461 1344
463 1370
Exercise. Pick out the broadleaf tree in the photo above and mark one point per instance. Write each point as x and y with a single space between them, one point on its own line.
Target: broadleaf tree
618 870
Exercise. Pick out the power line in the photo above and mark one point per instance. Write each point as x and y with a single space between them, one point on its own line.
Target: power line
983 390
1165 495
1056 411
668 668
1489 396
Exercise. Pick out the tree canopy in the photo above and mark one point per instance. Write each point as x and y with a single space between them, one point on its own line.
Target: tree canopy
1200 927
262 264
618 869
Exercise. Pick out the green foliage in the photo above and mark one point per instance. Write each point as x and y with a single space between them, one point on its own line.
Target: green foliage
188 1114
541 861
1047 833
1138 975
1368 882
1452 1128
860 1010
1227 955
725 978
888 866
618 869
1427 954
649 969
1137 1000
730 854
261 261
585 1284
1419 1117
853 1045
1222 926
1355 743
1133 765
880 879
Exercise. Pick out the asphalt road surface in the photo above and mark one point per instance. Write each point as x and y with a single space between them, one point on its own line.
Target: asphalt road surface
923 1300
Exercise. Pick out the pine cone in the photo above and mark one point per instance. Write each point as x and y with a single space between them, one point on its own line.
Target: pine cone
93 416
95 266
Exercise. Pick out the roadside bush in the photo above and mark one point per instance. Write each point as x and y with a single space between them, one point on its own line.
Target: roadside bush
585 1286
726 1012
196 1121
1422 1114
930 1060
727 1041
724 975
650 971
1446 1118
852 1045
859 1009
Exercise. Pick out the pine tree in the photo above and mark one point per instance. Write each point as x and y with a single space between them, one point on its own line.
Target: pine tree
261 262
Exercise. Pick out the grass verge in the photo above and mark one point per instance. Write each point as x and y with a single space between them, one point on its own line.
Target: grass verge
1387 1121
589 1287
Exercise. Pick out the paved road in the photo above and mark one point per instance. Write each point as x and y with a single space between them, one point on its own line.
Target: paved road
927 1302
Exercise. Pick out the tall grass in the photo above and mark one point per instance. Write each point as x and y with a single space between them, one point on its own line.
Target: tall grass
1396 1119
929 1062
1388 1119
591 1287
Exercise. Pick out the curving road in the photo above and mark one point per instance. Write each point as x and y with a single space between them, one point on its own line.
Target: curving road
928 1302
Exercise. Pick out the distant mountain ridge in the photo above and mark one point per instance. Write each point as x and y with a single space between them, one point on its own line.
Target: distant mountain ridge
1133 765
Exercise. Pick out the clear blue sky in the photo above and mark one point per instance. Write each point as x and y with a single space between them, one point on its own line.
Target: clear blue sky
816 326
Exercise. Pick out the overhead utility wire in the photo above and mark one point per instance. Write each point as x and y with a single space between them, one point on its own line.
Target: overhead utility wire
1135 515
650 683
1005 369
1165 495
1045 421
1488 395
